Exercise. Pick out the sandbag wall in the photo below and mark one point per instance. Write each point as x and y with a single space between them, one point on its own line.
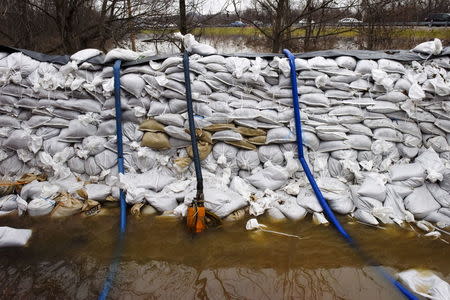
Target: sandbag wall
376 133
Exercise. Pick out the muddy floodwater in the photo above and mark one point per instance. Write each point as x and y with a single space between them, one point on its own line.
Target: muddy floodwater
69 258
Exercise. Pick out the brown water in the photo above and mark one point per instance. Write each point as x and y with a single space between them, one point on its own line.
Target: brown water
68 259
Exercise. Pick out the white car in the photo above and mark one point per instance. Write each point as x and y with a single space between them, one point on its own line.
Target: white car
304 22
349 21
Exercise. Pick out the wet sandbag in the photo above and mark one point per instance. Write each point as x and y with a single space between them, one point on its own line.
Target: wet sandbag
223 201
12 237
421 202
66 206
40 207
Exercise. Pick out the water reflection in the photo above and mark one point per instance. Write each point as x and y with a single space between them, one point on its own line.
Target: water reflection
68 258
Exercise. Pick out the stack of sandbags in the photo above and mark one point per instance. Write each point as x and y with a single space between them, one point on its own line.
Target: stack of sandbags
365 122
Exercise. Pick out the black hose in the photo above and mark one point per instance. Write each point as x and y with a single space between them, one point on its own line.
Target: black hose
187 84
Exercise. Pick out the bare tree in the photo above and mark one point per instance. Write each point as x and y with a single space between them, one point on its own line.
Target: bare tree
284 16
69 25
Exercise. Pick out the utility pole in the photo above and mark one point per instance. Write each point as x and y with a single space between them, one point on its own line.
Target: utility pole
132 35
183 25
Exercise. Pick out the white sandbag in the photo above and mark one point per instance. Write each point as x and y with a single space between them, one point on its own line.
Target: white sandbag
271 153
224 153
133 84
333 146
319 218
8 203
337 194
365 217
441 220
122 54
320 63
373 187
433 165
358 129
346 62
18 139
94 144
98 191
78 129
91 167
158 182
408 152
394 201
290 208
314 99
177 132
307 199
247 159
106 159
310 140
426 284
438 143
431 48
84 55
280 135
365 66
359 142
439 194
443 124
31 190
421 202
391 66
402 172
12 237
272 178
170 119
416 92
8 121
383 107
40 207
76 165
227 136
387 134
223 201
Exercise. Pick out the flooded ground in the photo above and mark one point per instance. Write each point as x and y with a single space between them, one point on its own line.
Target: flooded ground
68 259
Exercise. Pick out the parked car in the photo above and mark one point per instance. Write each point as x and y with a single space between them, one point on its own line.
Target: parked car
438 19
349 21
304 22
237 24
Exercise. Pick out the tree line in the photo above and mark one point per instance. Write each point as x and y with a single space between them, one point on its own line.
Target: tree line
66 26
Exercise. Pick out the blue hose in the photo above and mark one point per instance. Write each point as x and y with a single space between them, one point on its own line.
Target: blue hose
326 208
114 266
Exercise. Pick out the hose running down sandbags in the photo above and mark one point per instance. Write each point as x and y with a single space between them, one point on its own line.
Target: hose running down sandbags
113 268
196 211
326 208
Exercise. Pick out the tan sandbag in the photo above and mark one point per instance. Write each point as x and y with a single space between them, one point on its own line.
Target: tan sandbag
219 127
182 162
155 140
246 131
236 215
136 209
202 135
66 206
151 125
258 140
243 145
204 149
82 193
91 207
